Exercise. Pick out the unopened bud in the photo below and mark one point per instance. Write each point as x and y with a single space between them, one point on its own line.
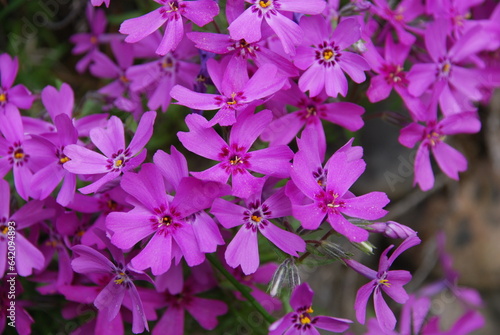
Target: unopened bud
333 250
392 229
287 275
365 246
360 46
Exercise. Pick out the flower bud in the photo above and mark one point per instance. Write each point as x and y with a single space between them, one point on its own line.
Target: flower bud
333 250
392 229
365 246
287 275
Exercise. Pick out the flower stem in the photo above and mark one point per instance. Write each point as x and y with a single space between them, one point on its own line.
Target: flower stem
306 254
244 290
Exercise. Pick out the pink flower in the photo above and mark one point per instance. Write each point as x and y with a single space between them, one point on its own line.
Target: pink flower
391 282
200 12
432 136
326 59
301 321
12 98
248 25
116 159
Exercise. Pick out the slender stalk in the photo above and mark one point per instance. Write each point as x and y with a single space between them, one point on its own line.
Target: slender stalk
240 287
306 254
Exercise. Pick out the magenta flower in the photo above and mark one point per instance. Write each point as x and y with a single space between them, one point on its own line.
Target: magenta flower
89 42
309 114
97 3
326 59
391 75
236 91
301 322
248 25
405 12
200 12
390 282
242 51
262 276
432 136
121 284
452 84
392 229
46 179
327 193
235 157
174 168
62 101
116 159
468 323
22 318
104 67
17 153
255 217
28 257
159 76
184 298
167 219
12 98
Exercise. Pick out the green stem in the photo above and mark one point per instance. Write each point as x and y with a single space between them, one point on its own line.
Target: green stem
306 254
244 290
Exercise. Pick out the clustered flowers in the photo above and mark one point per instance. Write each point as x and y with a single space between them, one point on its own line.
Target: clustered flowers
138 234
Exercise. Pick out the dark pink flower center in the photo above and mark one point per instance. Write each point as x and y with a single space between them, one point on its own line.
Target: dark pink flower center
394 75
3 97
433 136
165 220
256 216
444 68
265 7
234 159
172 10
118 160
17 156
235 100
243 48
320 176
327 53
167 65
303 319
329 202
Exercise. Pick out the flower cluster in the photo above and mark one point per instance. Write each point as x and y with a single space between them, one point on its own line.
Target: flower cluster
134 233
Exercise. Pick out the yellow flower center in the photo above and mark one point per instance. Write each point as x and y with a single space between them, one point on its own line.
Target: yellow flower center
435 138
64 160
232 101
121 279
304 319
446 68
4 229
256 218
235 160
165 221
112 204
167 63
3 97
124 79
93 40
265 4
118 163
385 282
311 110
327 54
